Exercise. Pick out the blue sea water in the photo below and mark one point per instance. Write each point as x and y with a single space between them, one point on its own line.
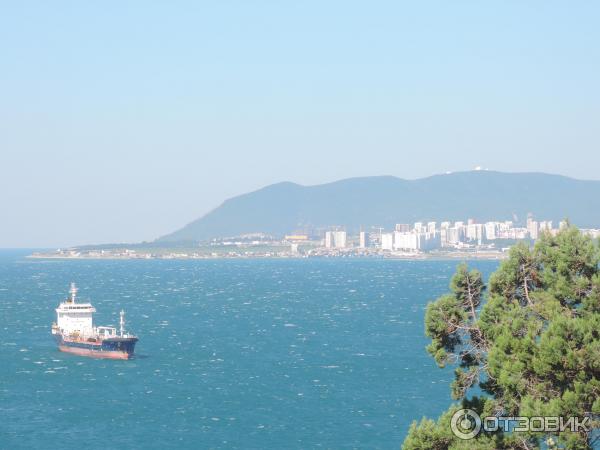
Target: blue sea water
276 354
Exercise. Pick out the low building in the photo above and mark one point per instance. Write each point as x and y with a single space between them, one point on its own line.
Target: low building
296 237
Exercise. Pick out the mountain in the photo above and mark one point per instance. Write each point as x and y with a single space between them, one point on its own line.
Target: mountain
281 208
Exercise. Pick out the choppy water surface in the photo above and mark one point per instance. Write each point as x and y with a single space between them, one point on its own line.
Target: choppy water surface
232 354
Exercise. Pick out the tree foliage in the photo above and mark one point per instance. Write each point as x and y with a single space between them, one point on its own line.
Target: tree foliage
532 345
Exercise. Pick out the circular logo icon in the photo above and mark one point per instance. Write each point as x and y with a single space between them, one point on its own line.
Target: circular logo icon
465 424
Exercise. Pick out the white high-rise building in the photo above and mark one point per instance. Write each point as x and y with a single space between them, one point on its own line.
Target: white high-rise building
490 230
328 239
444 237
335 239
414 241
387 241
475 232
419 228
533 228
363 239
454 235
339 239
429 241
402 227
431 227
405 241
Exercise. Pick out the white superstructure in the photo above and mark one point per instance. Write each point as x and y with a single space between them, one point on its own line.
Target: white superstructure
75 318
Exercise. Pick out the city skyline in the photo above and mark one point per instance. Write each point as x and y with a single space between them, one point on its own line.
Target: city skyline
488 240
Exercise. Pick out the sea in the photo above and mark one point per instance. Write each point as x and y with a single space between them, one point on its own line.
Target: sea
233 353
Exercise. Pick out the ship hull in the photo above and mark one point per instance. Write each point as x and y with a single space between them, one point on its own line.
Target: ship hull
94 353
112 348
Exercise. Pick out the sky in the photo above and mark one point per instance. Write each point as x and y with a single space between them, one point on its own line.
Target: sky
121 121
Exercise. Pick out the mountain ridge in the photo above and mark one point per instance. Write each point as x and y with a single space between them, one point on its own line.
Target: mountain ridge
284 207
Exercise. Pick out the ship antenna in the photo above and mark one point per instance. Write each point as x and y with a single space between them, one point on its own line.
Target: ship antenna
122 322
73 292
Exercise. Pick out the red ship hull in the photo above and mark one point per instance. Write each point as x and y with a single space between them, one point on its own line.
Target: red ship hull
111 348
100 354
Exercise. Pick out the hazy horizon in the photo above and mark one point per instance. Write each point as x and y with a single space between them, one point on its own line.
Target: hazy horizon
124 122
279 182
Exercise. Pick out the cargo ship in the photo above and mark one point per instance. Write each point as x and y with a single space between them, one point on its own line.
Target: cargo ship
75 332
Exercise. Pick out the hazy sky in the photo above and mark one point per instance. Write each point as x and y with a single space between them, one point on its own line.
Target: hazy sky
122 121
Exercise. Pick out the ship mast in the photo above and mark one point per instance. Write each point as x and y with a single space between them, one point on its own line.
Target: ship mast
73 292
122 322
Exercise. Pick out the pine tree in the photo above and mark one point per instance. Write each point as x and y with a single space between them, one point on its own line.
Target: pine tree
530 340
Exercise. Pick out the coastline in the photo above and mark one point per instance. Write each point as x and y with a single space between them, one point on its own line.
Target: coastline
441 256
